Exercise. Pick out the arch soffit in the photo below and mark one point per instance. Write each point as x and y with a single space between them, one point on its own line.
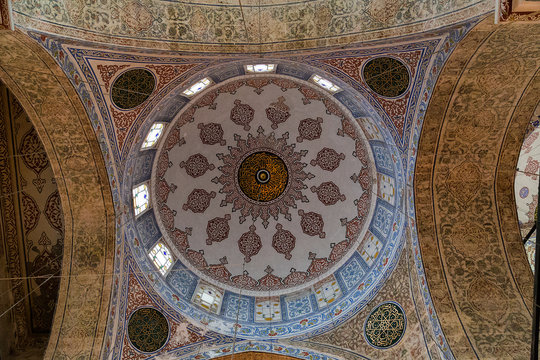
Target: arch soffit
64 128
473 217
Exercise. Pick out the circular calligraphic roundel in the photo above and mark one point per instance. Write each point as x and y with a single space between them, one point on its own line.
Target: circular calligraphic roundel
262 184
132 88
385 325
148 329
386 76
262 176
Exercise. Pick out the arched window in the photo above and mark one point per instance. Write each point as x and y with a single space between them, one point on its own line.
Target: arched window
325 84
197 87
161 257
208 297
153 136
141 200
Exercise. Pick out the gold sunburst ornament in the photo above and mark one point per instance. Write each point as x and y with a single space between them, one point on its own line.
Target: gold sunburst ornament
262 176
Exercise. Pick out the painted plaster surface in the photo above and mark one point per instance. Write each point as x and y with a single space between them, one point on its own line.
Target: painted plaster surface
317 202
5 16
51 105
464 176
90 73
29 188
256 27
350 337
526 183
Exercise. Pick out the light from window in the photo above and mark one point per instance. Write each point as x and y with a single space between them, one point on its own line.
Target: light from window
325 84
197 87
370 249
140 199
261 68
153 135
161 257
267 310
208 297
327 292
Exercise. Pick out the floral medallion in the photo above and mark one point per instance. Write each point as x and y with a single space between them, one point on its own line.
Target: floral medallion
262 183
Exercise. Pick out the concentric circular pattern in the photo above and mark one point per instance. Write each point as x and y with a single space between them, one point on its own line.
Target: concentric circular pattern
385 325
263 184
132 88
148 329
386 76
262 176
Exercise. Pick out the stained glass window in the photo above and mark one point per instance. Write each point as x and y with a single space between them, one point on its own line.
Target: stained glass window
208 297
197 87
161 257
325 84
153 135
267 310
140 199
261 68
371 248
327 292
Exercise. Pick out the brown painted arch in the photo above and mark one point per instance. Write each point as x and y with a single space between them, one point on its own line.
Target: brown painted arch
60 120
475 263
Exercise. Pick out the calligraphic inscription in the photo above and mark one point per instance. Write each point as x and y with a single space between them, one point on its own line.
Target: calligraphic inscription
262 176
385 325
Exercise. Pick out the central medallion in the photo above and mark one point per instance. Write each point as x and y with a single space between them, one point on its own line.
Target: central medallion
263 176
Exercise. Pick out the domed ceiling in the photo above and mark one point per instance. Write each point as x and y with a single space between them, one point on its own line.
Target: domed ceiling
278 208
247 26
272 181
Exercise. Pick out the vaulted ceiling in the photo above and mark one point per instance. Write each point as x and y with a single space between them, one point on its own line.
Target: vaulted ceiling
241 26
349 208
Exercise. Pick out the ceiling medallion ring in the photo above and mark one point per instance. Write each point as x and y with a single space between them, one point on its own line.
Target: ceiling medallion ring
259 177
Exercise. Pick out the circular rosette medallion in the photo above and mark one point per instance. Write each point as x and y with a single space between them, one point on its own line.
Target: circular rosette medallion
385 325
148 329
262 176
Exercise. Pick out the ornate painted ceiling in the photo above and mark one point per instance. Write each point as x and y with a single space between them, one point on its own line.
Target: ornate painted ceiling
358 141
271 214
255 26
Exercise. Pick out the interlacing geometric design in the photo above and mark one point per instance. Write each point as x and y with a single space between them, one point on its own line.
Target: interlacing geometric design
132 88
148 329
385 325
386 76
